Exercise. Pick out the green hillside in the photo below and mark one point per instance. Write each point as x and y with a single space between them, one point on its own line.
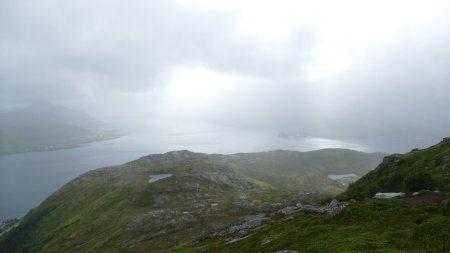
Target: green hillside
387 225
116 209
427 169
419 222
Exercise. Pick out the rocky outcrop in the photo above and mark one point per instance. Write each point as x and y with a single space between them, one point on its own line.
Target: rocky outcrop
390 161
254 222
333 208
244 226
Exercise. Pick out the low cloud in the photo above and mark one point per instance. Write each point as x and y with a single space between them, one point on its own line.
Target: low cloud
274 67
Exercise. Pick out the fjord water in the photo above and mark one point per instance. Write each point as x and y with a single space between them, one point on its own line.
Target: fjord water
26 179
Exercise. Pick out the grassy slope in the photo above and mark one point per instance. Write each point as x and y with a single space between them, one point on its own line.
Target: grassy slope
427 169
281 167
41 138
392 225
113 209
369 226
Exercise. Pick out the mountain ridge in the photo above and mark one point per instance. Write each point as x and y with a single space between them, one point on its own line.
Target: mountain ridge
44 126
204 193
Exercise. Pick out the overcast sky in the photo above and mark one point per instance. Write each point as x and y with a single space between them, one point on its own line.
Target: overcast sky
363 68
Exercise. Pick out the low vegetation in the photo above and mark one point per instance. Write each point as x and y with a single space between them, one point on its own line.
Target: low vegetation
116 209
419 222
427 169
388 225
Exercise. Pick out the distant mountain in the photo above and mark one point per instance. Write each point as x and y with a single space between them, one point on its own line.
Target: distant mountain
165 200
45 113
44 126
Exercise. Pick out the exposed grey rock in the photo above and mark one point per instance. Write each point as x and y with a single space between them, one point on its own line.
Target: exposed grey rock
244 225
390 161
336 207
289 210
286 251
333 203
333 208
275 205
214 206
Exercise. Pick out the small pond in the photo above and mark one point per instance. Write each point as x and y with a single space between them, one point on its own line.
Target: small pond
156 177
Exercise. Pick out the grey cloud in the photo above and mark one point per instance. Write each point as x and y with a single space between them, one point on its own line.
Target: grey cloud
101 51
65 46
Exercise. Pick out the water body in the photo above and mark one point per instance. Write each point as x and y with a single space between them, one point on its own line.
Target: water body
341 176
157 177
29 178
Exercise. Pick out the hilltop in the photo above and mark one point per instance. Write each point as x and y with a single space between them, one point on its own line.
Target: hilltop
166 200
45 113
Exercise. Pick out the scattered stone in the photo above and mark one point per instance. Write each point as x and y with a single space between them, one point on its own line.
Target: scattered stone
276 205
289 210
286 251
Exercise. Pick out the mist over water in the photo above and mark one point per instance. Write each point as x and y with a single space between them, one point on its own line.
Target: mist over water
217 77
29 178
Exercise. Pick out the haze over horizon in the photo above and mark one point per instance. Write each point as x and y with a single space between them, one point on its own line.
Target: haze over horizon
327 68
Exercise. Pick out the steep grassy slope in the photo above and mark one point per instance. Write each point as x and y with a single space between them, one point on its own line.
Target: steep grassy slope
427 169
116 209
